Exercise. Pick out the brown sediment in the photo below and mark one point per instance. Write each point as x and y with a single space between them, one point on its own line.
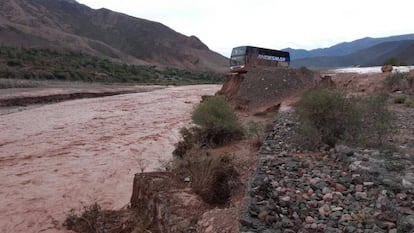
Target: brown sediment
72 154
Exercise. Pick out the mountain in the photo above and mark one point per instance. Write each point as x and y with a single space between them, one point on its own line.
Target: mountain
372 56
345 48
66 24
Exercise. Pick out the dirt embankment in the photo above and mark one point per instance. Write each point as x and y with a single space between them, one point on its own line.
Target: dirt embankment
262 89
250 92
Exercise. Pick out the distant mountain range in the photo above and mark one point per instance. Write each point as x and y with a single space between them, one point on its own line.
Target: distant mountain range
362 52
68 25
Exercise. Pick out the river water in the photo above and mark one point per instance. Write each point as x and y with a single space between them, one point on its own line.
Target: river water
373 69
67 155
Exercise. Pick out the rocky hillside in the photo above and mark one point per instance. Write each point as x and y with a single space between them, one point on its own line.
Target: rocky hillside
62 24
343 190
337 189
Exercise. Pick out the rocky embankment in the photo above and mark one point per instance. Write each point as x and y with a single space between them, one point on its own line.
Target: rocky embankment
265 88
340 190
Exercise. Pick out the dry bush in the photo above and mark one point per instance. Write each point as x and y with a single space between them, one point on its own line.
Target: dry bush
254 131
86 221
403 99
93 219
213 178
190 138
399 82
408 103
376 119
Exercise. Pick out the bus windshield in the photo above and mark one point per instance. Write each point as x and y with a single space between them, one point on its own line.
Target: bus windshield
238 51
238 56
237 61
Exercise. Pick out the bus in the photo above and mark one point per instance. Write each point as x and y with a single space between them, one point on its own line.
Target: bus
244 57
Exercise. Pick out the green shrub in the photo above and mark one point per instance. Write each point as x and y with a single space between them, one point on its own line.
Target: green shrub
217 121
61 64
408 102
376 119
254 131
215 112
328 117
217 125
213 178
399 99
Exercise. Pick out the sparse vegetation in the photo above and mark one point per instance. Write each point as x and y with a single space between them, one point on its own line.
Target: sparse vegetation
399 82
400 99
408 103
213 177
328 117
217 121
190 138
86 221
403 99
376 120
93 219
47 64
254 130
394 62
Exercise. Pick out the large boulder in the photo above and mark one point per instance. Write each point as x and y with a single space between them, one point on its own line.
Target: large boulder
386 68
326 81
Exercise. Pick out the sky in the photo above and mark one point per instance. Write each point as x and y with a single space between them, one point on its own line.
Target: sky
276 24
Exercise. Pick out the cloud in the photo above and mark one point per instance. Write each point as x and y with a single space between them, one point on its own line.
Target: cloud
271 23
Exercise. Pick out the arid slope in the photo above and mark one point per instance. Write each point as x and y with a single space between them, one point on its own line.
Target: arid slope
69 25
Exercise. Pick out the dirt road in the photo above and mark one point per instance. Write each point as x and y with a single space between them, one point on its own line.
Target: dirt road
67 155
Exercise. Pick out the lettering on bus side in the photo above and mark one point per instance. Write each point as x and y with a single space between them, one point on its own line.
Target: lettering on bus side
271 58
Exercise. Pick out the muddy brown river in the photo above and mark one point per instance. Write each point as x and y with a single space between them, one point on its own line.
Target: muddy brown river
64 156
